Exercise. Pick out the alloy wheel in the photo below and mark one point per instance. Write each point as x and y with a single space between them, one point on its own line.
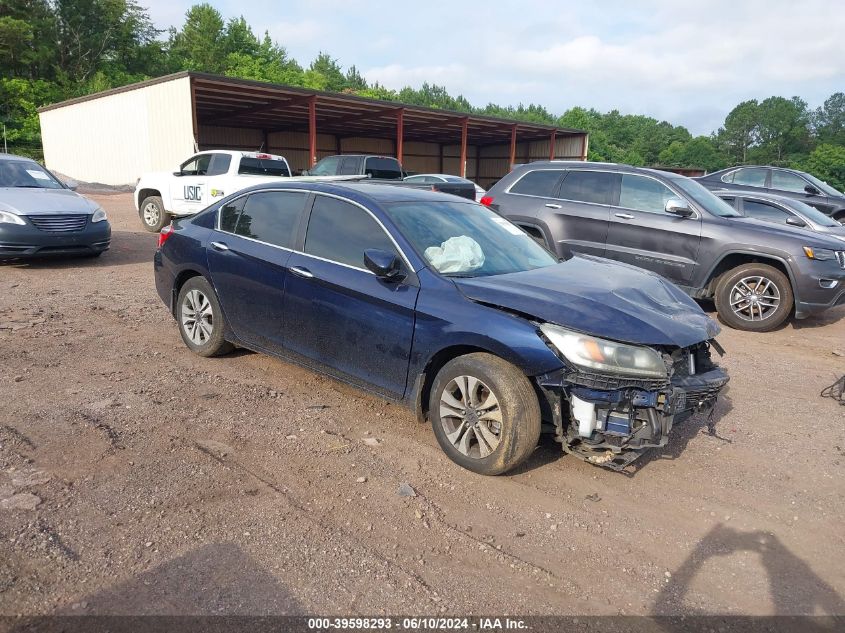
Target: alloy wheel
152 214
197 317
471 416
754 298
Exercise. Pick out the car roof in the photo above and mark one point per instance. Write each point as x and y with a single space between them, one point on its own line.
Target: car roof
16 157
763 195
581 164
380 193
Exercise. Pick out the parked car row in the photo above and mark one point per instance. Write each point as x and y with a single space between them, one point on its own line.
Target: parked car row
757 272
210 175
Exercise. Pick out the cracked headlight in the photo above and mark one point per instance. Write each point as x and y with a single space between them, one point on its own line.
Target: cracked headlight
605 356
10 218
99 216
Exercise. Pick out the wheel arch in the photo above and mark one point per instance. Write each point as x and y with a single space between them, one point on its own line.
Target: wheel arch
424 380
147 192
729 261
179 281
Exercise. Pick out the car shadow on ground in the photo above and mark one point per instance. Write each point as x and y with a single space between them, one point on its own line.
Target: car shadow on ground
127 247
794 588
215 579
819 320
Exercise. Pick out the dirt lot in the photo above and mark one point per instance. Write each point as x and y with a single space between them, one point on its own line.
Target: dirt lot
175 484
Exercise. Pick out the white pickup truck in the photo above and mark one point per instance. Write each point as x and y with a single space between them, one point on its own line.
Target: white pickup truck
200 180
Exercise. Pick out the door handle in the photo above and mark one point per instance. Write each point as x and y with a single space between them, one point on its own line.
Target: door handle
625 216
302 272
552 206
219 246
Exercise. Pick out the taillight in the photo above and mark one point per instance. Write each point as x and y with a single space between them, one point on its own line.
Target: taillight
166 232
486 200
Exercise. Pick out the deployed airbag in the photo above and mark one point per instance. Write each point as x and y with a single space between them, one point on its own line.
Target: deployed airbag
456 255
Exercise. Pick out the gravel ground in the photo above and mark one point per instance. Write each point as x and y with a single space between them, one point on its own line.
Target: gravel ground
138 478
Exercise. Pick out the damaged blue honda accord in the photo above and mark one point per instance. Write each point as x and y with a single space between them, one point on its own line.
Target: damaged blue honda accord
444 305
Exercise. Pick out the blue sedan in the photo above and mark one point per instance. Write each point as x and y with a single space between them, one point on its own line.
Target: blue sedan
444 305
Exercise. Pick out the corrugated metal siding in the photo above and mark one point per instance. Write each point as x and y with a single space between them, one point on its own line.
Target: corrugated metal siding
114 139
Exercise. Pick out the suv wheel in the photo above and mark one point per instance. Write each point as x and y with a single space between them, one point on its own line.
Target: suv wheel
754 297
484 412
201 321
153 215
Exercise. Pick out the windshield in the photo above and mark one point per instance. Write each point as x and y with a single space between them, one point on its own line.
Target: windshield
705 198
822 186
26 174
812 214
464 239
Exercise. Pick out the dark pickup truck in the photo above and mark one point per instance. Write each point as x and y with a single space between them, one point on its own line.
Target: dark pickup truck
383 169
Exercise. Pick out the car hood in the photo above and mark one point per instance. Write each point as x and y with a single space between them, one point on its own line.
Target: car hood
26 201
833 231
818 238
599 297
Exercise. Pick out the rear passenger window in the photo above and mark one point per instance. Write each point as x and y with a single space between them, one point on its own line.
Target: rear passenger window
589 186
541 183
272 217
349 166
763 211
752 177
644 194
340 232
229 214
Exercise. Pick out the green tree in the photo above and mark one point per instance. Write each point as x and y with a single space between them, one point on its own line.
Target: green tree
829 120
827 162
269 63
740 131
200 44
783 129
328 67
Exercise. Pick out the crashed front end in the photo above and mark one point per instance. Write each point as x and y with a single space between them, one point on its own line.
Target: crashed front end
610 413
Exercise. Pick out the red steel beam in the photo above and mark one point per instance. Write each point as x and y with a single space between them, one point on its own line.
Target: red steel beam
400 133
552 146
513 147
312 131
464 123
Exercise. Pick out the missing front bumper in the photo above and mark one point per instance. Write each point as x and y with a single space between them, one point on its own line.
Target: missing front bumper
613 427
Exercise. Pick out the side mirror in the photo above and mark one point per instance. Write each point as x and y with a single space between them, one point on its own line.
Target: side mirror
795 221
811 190
678 207
178 172
383 264
304 172
71 184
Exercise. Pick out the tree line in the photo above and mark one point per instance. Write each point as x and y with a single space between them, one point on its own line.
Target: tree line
51 50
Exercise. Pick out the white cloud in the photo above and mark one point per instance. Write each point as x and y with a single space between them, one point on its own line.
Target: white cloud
686 62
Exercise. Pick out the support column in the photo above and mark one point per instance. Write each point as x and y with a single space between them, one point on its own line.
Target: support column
463 170
400 134
512 158
552 146
584 145
312 132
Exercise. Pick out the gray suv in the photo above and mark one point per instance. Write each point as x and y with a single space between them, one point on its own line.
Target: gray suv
757 273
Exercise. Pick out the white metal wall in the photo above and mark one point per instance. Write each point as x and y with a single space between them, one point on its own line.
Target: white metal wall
114 139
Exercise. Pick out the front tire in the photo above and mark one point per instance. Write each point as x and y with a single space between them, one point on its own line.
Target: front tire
484 413
200 319
754 297
153 216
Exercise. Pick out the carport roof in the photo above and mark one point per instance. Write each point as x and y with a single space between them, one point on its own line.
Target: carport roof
245 103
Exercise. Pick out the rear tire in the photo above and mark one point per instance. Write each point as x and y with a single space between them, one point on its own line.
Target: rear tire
484 413
754 297
153 216
201 321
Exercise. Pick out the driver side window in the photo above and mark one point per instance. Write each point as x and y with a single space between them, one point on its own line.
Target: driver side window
196 166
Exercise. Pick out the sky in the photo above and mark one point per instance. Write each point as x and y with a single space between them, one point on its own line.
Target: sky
689 63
